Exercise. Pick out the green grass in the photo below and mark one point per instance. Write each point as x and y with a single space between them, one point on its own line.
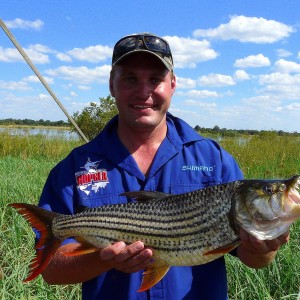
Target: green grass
26 161
268 156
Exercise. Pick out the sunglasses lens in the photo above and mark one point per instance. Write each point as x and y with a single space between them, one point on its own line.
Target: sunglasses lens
156 44
124 46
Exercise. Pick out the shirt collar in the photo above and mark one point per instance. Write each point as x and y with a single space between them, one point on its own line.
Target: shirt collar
108 142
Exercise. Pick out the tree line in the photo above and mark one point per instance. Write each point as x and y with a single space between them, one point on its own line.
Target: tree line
233 132
30 122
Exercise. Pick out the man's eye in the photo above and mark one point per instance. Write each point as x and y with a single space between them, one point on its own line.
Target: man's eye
155 80
130 79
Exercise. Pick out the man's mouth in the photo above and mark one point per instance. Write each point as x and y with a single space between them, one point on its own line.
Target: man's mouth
138 106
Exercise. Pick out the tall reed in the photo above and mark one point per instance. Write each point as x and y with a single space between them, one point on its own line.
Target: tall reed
35 146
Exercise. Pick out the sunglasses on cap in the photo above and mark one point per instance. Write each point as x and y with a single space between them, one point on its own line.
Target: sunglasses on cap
143 42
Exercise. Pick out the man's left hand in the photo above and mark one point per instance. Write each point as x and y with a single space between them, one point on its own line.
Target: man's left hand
257 253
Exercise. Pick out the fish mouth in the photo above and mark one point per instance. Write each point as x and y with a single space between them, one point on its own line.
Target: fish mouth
293 193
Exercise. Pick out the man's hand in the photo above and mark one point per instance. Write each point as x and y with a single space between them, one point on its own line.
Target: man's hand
257 253
128 259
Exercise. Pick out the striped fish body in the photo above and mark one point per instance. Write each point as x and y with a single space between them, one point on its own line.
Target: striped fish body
179 228
182 230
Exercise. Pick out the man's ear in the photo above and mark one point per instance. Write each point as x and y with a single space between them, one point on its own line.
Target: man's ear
173 84
111 86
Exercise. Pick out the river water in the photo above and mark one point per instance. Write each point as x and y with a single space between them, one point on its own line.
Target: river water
47 132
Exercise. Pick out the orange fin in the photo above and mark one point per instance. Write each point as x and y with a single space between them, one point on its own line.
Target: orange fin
84 248
151 276
47 244
223 250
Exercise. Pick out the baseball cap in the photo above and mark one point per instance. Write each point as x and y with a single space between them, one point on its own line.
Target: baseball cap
143 42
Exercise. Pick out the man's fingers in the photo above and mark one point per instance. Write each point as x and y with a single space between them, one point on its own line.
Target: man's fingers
135 263
111 251
130 251
127 258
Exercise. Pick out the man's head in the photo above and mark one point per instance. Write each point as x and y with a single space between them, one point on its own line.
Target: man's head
143 42
142 81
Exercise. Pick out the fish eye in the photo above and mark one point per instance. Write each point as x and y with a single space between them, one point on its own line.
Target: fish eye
268 189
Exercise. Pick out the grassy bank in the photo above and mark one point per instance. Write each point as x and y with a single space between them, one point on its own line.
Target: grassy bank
26 161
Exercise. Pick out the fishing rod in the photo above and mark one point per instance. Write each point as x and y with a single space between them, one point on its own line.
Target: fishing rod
40 77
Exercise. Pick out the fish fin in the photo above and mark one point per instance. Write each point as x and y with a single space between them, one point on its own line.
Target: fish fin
84 248
151 276
46 245
145 195
224 249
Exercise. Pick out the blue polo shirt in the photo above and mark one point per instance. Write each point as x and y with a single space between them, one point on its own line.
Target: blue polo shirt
98 172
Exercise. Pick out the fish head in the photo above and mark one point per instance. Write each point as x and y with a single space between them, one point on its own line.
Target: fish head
266 208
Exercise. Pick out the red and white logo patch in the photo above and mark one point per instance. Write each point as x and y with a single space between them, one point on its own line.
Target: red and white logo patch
92 178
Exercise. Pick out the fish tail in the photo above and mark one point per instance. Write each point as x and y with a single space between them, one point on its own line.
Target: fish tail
46 244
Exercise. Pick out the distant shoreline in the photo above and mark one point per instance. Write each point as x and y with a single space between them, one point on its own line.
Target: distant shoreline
36 127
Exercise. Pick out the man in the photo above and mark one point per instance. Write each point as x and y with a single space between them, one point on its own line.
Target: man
143 148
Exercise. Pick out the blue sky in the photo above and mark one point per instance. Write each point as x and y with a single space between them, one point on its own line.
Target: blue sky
237 62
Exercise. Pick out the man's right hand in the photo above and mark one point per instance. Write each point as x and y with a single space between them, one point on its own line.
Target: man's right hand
127 258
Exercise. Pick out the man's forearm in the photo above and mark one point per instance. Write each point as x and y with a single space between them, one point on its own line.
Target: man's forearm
73 269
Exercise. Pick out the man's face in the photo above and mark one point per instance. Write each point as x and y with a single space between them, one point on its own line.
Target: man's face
142 87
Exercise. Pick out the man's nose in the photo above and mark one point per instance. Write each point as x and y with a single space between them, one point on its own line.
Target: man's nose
144 90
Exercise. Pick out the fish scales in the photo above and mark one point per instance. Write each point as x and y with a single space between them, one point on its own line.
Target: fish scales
178 224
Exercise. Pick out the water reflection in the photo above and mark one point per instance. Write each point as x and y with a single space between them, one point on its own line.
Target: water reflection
239 140
48 132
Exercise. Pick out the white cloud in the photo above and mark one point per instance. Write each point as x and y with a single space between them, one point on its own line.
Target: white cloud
281 86
185 83
37 57
202 104
285 66
275 106
253 61
40 106
240 75
188 52
83 87
200 94
10 55
63 57
24 24
44 97
40 48
91 54
261 102
14 85
279 78
13 55
293 106
82 75
248 29
216 80
35 79
283 53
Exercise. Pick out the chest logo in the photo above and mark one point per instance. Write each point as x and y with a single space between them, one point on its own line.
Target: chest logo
91 178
